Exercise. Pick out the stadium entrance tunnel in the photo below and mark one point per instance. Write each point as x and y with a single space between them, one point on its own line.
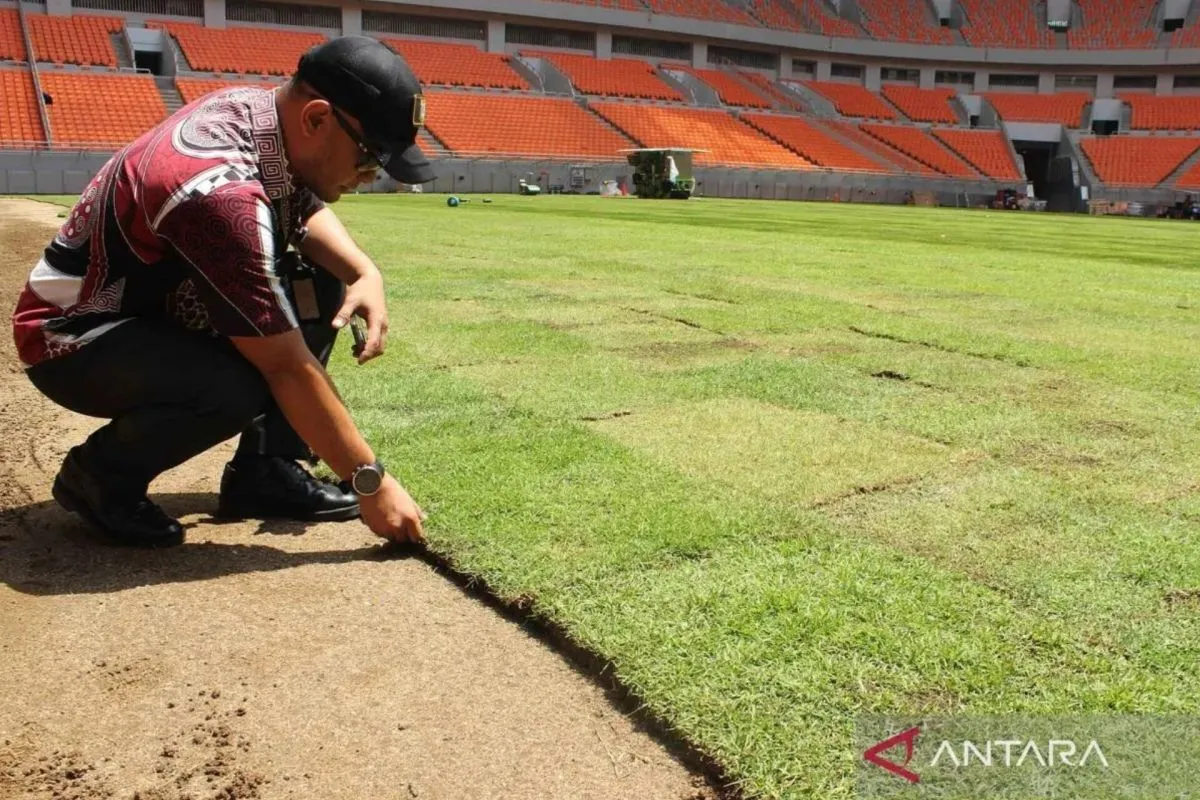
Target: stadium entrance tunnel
1048 167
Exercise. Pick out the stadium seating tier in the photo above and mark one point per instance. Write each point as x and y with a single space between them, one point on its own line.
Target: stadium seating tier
1114 25
1003 23
903 21
1065 108
923 147
813 143
1151 112
618 77
519 125
725 139
731 90
852 100
922 105
987 151
888 154
12 44
97 109
1137 160
259 51
80 39
20 120
457 65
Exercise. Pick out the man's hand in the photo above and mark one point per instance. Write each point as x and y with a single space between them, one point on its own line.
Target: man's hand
392 514
365 297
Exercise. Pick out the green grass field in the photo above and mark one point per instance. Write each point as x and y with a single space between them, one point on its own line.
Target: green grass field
784 464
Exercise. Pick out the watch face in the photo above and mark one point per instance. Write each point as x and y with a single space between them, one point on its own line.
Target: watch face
367 480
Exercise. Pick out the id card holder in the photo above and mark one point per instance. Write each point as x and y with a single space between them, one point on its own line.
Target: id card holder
305 293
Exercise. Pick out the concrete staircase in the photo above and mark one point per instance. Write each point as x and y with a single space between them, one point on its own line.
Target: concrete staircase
1087 174
605 122
172 99
121 47
695 90
544 75
431 145
821 105
853 145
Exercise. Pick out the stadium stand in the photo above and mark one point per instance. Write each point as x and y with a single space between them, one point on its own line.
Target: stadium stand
776 15
1137 160
822 20
769 89
814 144
1065 108
435 63
889 155
80 39
20 121
12 44
620 77
1151 112
1114 25
987 151
922 105
1190 179
623 5
101 109
192 89
903 21
921 146
714 10
259 51
852 100
1187 36
731 90
726 139
516 125
1003 23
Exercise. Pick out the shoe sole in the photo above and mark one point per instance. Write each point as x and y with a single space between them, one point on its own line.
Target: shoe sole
73 503
331 515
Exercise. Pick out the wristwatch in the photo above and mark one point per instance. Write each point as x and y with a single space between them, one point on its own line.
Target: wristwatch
367 478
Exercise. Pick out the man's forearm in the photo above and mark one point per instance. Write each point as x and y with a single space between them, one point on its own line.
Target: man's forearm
311 404
329 244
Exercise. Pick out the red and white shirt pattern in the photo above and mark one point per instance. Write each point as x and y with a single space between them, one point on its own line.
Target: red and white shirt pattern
183 225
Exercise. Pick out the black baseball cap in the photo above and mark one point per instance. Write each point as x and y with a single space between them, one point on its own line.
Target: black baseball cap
364 78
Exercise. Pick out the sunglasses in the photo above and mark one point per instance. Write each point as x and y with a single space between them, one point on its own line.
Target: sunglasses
368 157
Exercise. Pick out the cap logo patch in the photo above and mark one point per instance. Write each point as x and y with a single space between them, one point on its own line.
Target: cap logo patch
418 118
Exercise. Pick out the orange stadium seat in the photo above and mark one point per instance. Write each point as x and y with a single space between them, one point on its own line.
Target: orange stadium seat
262 51
901 161
922 105
1114 25
768 88
81 39
20 120
713 10
192 89
985 150
95 109
731 90
1137 160
923 147
853 100
619 77
726 139
457 64
903 21
1003 23
520 125
12 44
1151 112
1065 108
1188 36
814 144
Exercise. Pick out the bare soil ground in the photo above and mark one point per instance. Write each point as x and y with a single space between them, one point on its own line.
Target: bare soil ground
265 660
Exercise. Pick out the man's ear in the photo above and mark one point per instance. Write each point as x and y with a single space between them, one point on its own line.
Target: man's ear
315 115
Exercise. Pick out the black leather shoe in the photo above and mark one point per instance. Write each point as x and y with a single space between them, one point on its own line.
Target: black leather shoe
133 521
272 487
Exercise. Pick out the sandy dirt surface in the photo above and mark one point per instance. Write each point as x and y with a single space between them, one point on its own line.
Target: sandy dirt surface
265 660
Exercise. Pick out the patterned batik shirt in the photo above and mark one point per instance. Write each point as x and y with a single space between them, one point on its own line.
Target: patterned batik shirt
183 226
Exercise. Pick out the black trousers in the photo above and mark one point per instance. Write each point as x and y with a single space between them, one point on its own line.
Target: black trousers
171 394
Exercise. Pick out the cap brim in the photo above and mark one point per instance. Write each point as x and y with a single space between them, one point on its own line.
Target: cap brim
410 165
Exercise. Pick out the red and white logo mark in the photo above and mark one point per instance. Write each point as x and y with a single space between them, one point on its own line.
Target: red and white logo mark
908 738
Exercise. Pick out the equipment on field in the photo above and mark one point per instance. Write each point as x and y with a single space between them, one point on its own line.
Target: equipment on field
525 187
454 200
661 172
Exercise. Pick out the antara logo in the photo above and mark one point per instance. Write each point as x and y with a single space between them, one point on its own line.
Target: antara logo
991 753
